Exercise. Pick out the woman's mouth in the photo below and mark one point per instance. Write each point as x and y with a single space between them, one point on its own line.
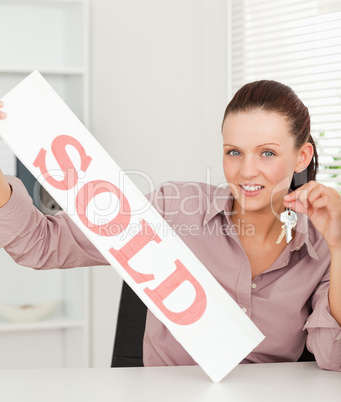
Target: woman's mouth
251 189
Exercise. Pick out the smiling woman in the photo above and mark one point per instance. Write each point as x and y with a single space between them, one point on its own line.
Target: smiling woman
266 135
290 289
267 140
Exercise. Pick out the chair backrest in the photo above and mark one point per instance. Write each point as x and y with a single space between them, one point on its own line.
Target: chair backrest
131 322
306 356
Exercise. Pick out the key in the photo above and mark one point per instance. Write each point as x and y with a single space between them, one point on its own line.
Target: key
289 218
283 232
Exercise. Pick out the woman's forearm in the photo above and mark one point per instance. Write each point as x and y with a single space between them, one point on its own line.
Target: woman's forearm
5 190
335 284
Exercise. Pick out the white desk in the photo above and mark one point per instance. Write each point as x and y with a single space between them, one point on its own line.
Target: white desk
287 382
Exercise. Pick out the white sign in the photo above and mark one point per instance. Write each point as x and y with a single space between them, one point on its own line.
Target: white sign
73 167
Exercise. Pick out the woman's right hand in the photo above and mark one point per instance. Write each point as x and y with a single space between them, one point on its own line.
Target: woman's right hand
5 188
2 114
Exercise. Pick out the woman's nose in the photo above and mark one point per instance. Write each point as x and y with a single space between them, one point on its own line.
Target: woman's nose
249 168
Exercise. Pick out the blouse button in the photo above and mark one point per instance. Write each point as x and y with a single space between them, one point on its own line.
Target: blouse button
253 286
244 309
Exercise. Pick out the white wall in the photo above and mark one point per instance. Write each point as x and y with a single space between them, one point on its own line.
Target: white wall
158 79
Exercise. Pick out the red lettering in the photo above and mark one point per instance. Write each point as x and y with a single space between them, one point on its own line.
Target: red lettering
145 235
194 312
88 192
70 173
116 226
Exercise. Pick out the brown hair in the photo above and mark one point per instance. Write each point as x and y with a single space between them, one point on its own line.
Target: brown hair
274 96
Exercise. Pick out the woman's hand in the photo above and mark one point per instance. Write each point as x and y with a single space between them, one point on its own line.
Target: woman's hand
2 114
5 189
323 206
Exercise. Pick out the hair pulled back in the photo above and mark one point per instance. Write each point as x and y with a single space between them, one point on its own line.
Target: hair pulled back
276 97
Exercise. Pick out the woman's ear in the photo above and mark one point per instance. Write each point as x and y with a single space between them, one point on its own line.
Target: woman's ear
305 155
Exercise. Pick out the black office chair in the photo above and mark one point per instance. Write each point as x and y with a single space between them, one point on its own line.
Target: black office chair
131 322
306 356
128 346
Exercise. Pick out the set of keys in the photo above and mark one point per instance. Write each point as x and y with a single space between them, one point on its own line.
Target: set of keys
289 218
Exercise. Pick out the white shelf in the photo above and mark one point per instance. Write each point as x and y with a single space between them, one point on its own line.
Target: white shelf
43 1
48 34
51 324
51 36
47 71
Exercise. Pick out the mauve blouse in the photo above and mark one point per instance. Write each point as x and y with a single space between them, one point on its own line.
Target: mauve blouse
288 302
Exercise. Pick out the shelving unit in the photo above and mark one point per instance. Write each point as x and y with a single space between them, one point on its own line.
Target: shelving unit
57 323
50 36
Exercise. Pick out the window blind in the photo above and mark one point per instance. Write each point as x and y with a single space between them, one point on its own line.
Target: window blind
296 42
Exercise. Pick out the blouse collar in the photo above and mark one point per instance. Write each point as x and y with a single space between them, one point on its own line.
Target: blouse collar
222 202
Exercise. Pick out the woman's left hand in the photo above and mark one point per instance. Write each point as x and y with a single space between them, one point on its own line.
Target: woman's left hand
323 206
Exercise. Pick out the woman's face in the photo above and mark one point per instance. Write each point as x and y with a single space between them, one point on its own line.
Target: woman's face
259 158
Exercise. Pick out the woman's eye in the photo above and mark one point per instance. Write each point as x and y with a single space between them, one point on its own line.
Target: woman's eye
233 152
268 154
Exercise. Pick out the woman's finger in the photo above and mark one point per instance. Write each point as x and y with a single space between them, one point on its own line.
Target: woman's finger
2 114
296 205
315 193
307 194
321 202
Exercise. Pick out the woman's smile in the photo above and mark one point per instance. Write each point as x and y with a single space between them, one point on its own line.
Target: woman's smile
251 190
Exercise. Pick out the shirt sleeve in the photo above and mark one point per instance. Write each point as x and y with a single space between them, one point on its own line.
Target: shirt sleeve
40 241
324 333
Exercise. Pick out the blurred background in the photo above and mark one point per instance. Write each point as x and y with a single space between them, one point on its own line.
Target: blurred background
151 80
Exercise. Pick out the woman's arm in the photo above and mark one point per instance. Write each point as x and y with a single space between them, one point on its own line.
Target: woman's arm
323 206
36 240
5 190
40 241
335 284
324 333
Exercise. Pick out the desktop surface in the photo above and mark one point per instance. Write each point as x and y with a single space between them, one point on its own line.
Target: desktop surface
278 382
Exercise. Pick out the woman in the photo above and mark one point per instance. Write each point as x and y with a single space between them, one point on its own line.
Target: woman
290 288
